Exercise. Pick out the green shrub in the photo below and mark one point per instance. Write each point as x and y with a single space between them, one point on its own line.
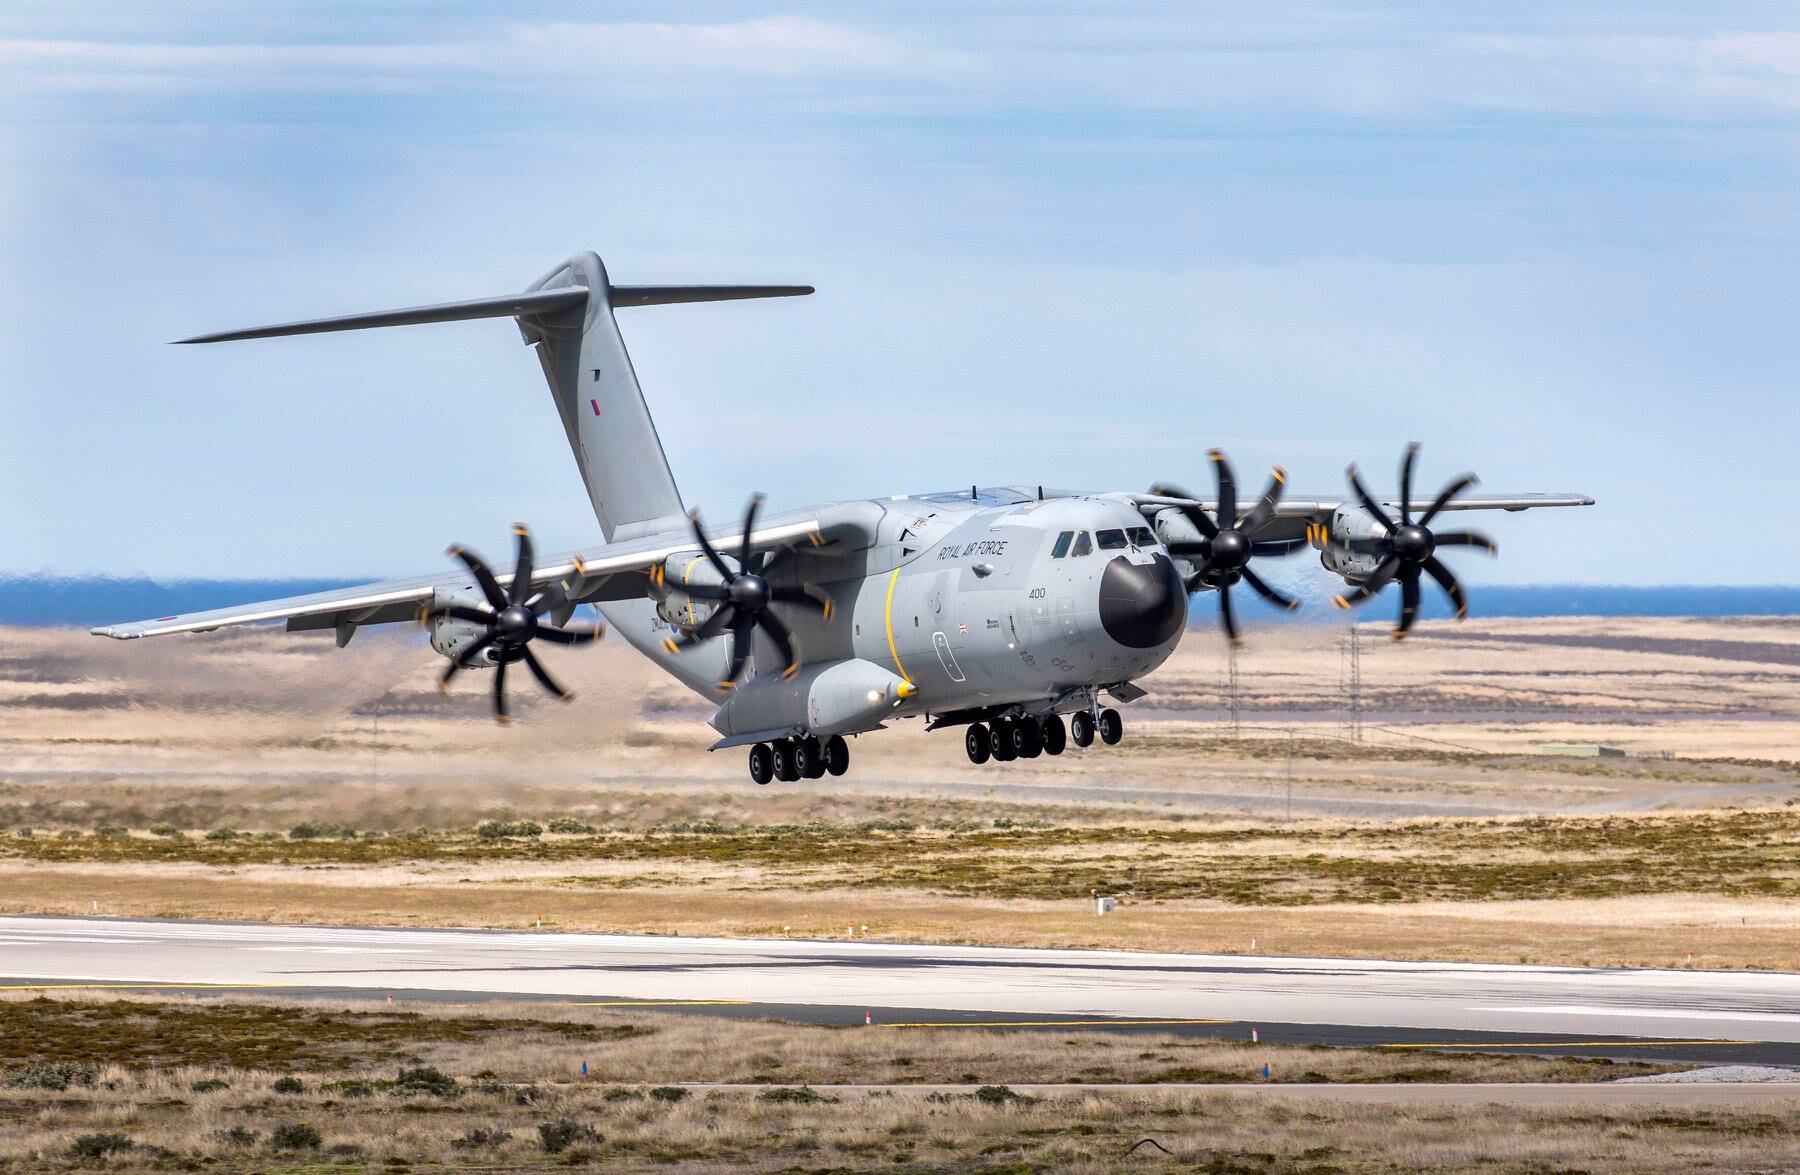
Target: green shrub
51 1075
288 1085
165 829
559 1135
98 1146
303 831
999 1095
496 829
670 1094
109 832
426 1081
223 834
294 1136
69 834
209 1085
482 1138
352 1087
798 1096
564 824
239 1135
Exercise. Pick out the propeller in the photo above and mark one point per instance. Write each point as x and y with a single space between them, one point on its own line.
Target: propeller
745 603
512 622
1410 546
1222 556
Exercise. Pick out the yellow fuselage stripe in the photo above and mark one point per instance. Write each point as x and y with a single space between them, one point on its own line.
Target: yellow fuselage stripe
893 650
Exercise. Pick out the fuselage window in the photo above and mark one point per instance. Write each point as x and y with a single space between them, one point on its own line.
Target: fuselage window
1141 537
1083 545
1062 544
1111 540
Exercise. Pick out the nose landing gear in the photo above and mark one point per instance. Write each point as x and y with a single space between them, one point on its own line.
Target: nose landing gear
793 759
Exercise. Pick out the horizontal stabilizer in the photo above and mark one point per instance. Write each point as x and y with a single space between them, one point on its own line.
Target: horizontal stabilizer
538 302
669 295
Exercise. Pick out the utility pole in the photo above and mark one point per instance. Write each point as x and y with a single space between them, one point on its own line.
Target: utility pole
1290 775
1353 683
1231 690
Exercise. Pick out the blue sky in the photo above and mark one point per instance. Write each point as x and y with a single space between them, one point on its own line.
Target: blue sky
1075 244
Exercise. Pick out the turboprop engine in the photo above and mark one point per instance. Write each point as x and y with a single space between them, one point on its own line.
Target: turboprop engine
451 637
1343 543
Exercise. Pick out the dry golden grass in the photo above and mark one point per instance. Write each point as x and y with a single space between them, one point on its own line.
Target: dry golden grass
260 730
513 1069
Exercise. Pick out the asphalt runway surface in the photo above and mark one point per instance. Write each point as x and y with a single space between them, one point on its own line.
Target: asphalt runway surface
1748 1017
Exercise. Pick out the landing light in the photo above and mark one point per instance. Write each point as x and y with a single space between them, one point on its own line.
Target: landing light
874 695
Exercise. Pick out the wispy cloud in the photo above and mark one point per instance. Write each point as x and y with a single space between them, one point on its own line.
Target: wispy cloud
515 55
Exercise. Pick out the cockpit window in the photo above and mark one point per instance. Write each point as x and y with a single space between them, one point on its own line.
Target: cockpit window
1141 537
1062 544
1111 540
1083 546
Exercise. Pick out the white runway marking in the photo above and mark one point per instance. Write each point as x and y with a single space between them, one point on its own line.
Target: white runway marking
1659 1013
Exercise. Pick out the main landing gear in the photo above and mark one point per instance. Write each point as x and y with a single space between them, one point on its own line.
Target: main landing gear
1006 739
791 759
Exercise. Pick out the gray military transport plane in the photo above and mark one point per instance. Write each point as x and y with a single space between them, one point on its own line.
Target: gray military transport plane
994 609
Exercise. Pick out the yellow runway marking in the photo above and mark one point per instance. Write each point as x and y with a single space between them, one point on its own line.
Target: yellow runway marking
1552 1044
1106 1023
659 1003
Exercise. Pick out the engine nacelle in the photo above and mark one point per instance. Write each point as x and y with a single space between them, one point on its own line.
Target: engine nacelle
668 578
451 637
1348 523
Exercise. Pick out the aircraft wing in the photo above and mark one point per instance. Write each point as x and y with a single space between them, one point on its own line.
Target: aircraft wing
1297 514
611 572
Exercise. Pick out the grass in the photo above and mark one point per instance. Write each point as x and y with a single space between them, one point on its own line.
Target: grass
182 1083
1730 853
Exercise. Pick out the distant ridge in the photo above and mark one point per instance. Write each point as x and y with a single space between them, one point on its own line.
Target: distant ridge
83 601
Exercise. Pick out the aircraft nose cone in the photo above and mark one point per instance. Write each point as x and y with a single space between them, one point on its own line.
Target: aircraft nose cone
1142 605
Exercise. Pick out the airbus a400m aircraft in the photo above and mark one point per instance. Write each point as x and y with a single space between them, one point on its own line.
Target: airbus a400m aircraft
996 610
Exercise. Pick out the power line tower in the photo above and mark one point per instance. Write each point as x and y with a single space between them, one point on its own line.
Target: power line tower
1233 716
1353 700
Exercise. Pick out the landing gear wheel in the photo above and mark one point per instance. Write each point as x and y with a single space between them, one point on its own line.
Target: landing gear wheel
837 755
1001 735
1081 728
1112 727
978 743
809 758
762 763
1028 738
784 761
1056 736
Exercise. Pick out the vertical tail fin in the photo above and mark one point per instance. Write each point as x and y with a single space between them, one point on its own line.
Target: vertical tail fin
568 317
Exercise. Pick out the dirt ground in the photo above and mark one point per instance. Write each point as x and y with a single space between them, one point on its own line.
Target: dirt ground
233 1083
1406 842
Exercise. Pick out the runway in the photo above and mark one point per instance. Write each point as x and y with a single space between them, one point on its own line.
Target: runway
1692 1015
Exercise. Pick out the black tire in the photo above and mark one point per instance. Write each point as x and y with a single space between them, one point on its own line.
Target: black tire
809 758
978 743
1081 728
1028 738
1112 727
762 763
1000 735
1056 735
837 755
784 761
